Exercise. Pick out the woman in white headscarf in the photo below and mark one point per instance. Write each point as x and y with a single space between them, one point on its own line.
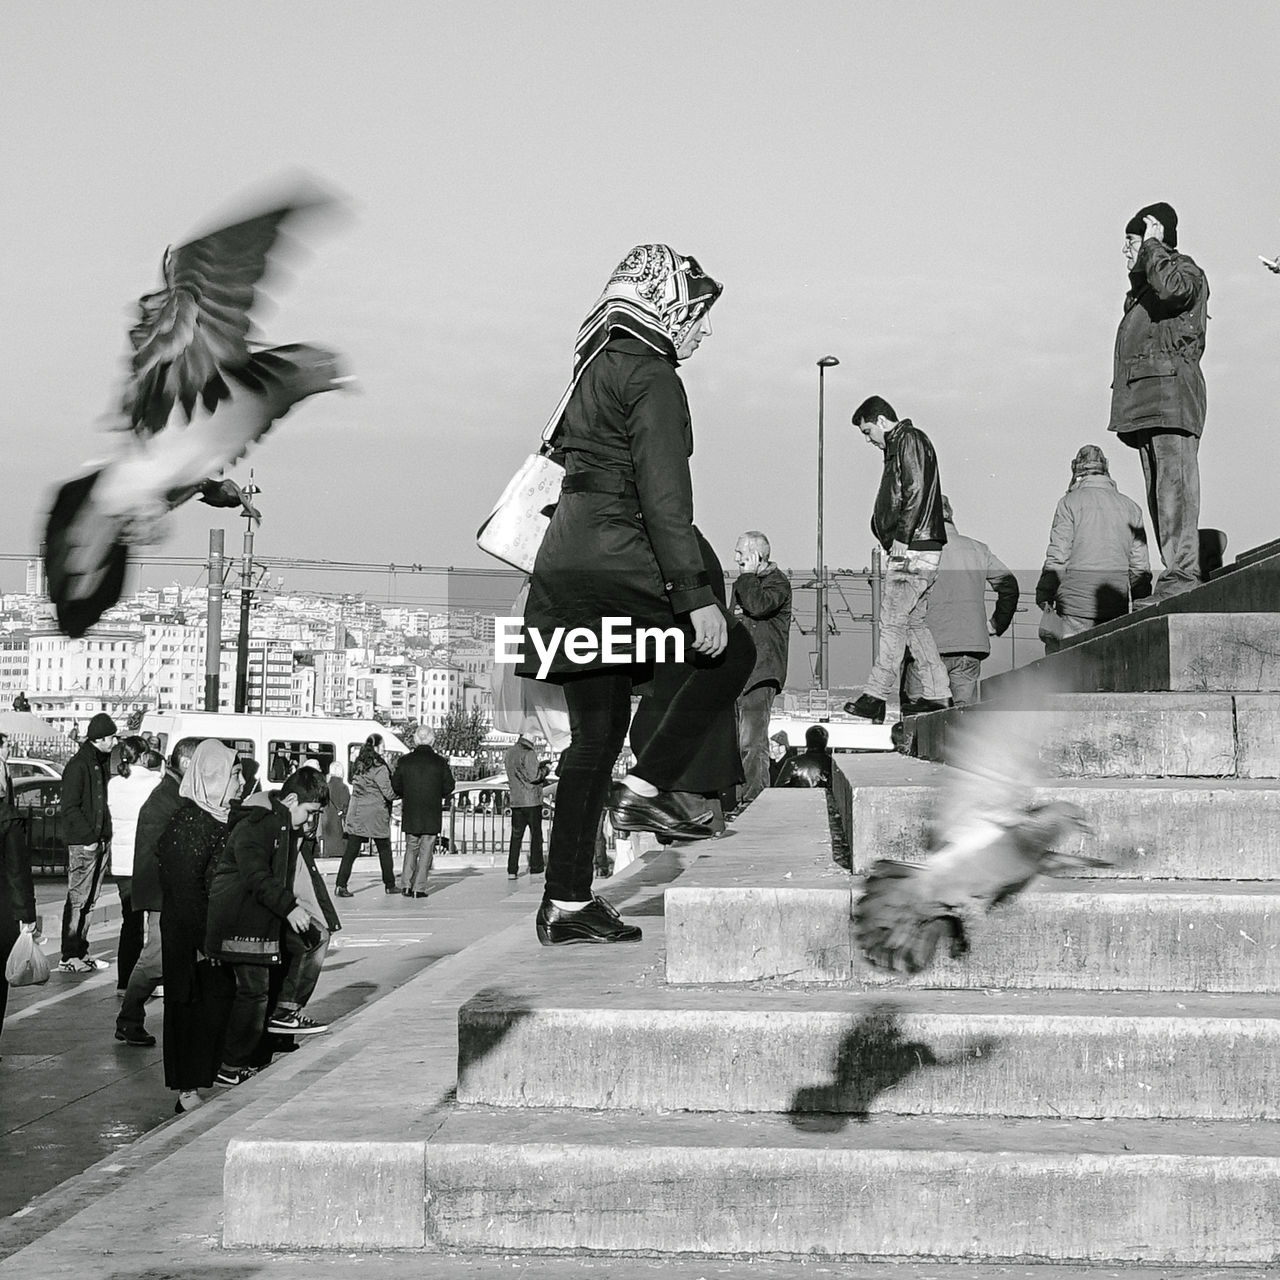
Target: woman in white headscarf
197 991
622 545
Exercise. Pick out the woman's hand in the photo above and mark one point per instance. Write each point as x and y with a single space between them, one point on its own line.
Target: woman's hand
298 919
710 630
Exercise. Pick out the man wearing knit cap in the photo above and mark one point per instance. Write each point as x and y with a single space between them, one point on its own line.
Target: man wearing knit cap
86 821
1097 557
1157 392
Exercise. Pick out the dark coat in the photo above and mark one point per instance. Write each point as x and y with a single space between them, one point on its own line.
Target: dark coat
252 891
808 769
153 818
718 764
632 553
909 503
422 779
762 601
333 835
17 890
85 816
369 813
1157 384
186 856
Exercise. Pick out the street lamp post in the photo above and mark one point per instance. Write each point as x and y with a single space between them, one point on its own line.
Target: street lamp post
820 672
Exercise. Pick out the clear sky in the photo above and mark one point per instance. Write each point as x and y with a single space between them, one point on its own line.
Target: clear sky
934 193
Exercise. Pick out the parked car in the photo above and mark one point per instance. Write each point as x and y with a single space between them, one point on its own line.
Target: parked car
30 767
40 802
493 795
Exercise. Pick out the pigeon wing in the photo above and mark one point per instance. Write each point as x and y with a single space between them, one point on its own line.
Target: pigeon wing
197 326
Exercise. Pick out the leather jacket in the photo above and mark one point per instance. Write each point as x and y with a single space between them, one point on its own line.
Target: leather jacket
909 504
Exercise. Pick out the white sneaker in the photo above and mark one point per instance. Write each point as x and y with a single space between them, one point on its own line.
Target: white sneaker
85 965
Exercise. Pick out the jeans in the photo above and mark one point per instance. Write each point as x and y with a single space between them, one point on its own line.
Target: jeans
129 947
383 846
304 968
145 977
599 712
963 670
525 816
754 708
248 1014
419 854
903 605
1171 467
85 864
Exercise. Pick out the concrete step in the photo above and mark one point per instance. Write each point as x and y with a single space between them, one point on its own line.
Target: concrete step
903 1053
1156 651
495 1181
1157 828
1114 735
1079 935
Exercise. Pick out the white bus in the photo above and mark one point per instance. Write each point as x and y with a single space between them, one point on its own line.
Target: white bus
278 743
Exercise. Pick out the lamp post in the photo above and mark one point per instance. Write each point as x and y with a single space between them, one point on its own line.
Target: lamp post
820 667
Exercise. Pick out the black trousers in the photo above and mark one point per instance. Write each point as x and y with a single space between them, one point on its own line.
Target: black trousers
383 846
132 928
599 712
525 817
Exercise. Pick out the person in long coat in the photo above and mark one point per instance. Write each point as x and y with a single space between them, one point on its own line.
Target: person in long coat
198 991
369 815
622 544
333 836
17 890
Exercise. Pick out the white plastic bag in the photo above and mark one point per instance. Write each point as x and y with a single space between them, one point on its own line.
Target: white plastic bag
521 705
26 965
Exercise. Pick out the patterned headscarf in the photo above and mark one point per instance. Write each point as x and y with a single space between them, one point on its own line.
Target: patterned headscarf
211 779
654 294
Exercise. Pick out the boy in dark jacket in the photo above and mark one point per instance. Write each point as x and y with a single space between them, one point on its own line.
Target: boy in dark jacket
86 822
251 900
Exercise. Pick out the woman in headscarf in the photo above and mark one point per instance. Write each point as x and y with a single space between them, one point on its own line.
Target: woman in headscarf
622 544
369 815
332 834
197 991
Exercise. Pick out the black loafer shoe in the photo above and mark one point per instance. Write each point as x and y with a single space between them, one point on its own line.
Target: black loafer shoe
868 708
661 814
135 1038
343 892
596 922
922 706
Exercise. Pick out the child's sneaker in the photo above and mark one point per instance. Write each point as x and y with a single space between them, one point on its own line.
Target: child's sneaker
231 1076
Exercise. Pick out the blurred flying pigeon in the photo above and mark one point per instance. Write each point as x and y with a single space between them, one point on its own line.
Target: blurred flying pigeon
990 842
197 397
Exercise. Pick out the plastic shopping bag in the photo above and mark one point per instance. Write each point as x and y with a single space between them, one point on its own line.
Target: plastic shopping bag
26 966
521 705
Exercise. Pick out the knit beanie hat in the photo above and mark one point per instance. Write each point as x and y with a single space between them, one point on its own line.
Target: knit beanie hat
101 726
1089 461
1163 214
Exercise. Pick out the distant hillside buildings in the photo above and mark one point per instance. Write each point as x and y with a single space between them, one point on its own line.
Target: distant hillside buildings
306 656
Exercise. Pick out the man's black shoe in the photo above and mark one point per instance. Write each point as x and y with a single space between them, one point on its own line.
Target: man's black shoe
343 892
868 708
135 1037
662 814
596 922
922 706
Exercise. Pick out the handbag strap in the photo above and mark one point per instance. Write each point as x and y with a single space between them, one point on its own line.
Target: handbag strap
553 422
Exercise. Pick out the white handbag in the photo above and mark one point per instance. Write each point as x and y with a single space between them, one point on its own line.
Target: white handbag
513 531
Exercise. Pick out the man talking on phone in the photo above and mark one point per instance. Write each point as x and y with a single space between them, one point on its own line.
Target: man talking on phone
1158 393
908 523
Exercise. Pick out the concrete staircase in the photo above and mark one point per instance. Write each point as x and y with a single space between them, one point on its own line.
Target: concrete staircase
1099 1081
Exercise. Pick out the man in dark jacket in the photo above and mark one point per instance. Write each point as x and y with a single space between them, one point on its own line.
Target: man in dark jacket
908 523
422 779
957 617
762 601
17 892
252 899
1158 392
812 767
86 823
153 817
